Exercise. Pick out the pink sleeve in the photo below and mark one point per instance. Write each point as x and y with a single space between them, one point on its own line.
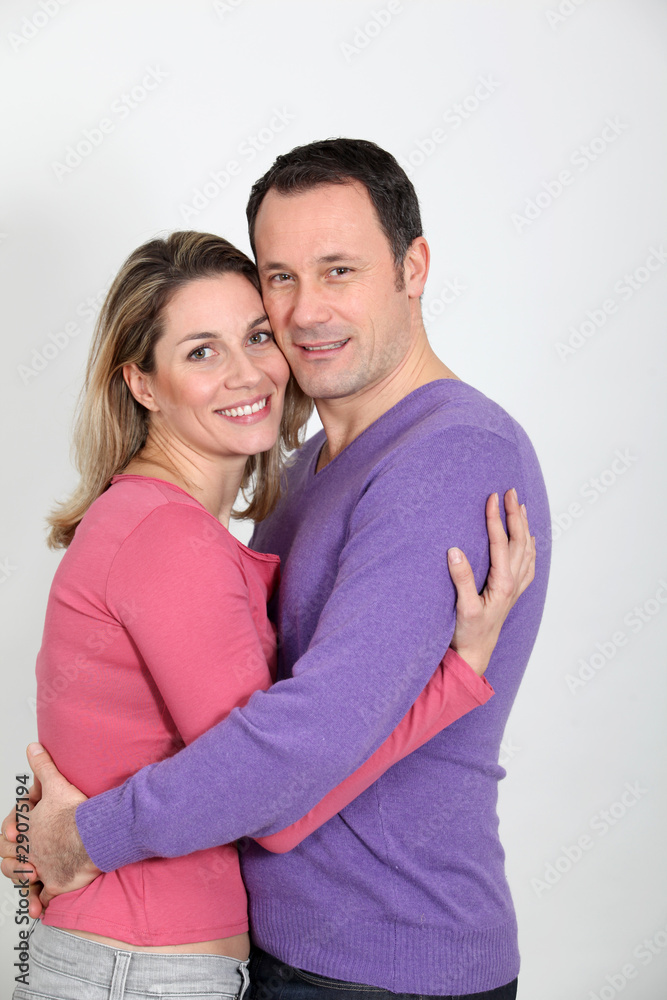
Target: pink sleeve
454 690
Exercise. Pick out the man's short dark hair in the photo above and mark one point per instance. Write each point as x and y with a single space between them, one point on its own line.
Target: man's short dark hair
338 161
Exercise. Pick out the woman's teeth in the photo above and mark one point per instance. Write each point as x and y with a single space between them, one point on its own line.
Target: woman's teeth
245 411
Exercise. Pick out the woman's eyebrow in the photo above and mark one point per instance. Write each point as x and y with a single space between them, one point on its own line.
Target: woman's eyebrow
204 335
208 335
258 322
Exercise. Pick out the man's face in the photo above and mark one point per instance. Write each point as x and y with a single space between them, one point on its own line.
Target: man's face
329 288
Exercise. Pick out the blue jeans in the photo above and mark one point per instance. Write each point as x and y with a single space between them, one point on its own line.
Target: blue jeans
271 979
66 967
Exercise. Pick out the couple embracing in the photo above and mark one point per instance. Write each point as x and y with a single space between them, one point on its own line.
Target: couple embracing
329 767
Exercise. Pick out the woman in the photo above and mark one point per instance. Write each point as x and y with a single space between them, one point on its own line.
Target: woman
156 625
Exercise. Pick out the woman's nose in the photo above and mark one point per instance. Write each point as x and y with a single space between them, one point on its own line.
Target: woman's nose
242 372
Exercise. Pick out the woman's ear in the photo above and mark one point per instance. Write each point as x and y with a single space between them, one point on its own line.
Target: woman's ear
139 385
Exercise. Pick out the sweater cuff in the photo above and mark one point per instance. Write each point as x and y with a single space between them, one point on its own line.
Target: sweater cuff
104 824
478 687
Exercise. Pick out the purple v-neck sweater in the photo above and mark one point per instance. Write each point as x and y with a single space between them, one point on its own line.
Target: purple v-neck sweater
404 888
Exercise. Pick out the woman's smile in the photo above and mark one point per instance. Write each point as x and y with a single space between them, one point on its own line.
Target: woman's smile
248 408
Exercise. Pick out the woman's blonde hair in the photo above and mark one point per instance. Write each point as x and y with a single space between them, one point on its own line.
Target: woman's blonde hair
111 426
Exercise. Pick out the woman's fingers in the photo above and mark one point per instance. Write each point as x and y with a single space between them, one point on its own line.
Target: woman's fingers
468 604
513 560
500 582
521 544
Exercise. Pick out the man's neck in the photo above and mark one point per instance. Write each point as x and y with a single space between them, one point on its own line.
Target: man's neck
346 418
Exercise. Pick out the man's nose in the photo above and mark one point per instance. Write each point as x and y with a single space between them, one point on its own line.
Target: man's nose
309 305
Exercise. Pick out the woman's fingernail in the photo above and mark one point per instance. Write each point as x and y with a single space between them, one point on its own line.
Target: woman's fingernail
35 748
454 555
496 500
515 495
524 511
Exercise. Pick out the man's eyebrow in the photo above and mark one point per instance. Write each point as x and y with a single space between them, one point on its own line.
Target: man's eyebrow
273 265
329 258
207 335
332 258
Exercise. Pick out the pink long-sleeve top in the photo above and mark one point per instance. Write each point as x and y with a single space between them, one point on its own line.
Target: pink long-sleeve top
156 629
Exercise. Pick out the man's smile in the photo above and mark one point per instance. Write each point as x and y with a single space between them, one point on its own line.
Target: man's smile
324 347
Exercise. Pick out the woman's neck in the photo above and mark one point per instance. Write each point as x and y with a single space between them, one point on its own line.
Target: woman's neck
215 484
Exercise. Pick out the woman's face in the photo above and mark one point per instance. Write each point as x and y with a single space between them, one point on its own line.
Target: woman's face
219 380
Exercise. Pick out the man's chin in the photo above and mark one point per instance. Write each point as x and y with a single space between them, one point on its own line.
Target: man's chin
329 387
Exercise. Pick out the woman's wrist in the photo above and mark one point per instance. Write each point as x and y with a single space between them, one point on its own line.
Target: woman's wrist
477 655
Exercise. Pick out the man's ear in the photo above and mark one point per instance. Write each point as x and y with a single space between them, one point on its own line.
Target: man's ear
416 265
139 385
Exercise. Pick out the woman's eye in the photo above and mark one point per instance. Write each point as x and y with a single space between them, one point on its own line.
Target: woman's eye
261 337
199 353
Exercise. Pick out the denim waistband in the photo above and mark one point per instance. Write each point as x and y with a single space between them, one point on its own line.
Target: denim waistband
56 951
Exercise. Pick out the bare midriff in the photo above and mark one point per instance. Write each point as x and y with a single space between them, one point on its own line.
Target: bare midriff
237 946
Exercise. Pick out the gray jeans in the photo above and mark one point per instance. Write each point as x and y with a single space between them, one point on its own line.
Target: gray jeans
66 967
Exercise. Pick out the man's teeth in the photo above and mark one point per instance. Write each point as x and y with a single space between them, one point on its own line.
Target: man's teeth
245 411
327 347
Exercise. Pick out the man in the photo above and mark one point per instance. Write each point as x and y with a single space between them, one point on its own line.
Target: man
404 890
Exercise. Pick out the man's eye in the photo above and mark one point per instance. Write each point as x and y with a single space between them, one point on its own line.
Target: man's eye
339 270
279 278
261 337
199 353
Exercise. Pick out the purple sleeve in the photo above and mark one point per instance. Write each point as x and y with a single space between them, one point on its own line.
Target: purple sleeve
382 632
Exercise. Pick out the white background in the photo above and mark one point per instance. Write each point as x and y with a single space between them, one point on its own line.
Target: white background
504 292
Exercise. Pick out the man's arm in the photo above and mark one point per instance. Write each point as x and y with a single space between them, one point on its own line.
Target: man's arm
271 760
387 623
458 685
